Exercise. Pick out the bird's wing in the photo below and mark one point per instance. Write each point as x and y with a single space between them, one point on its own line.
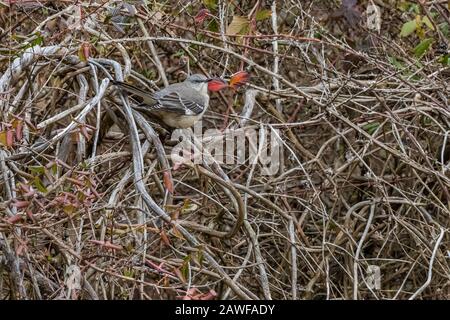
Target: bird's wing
167 99
148 98
173 102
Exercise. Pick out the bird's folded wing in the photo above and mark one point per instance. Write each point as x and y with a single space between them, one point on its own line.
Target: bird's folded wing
173 102
147 97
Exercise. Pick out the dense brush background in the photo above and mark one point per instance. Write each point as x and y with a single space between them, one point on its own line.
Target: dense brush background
362 109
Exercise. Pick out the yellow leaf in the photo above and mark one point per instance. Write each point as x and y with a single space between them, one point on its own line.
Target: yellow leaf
263 14
6 138
3 138
177 233
238 25
69 209
188 208
428 23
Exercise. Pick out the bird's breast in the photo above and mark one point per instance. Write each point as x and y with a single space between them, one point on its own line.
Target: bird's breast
179 121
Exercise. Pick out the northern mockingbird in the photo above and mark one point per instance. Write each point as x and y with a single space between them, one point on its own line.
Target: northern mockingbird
179 105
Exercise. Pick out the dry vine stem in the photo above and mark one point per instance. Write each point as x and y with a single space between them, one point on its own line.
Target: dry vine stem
357 208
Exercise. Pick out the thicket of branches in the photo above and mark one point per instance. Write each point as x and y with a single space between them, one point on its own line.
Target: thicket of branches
92 207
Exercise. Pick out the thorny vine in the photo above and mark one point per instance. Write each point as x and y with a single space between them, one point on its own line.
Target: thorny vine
92 207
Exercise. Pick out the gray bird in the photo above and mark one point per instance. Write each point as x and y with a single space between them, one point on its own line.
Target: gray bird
179 105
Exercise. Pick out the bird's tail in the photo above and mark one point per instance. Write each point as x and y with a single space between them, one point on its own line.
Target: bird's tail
146 96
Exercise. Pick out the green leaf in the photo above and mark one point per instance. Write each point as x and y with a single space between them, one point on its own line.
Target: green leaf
200 257
371 127
38 184
317 35
239 25
396 63
428 23
54 169
211 4
445 60
128 272
179 53
408 6
39 40
37 169
414 8
445 29
263 14
422 47
185 267
149 74
408 28
213 26
403 5
427 121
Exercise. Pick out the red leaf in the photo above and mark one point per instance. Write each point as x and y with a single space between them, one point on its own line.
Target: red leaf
19 131
239 79
168 183
29 194
107 244
24 187
180 276
84 132
76 182
15 219
18 127
9 138
191 294
201 16
158 267
27 191
20 204
209 296
20 249
216 84
110 245
30 214
164 238
195 294
95 193
84 52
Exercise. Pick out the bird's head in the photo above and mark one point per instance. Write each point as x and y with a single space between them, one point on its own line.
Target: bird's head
199 82
203 84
